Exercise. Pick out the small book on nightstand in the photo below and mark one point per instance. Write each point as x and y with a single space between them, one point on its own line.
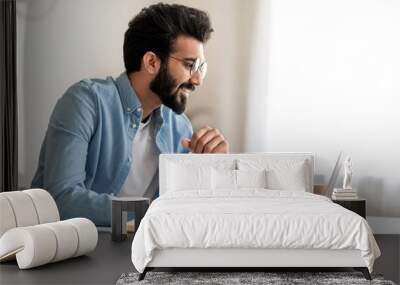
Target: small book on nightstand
344 194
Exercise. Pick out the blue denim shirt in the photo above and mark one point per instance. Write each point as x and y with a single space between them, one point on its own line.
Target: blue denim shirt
86 154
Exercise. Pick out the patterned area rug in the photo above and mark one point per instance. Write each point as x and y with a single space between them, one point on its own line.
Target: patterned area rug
225 278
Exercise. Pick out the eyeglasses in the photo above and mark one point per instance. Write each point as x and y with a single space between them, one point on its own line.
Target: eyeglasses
193 66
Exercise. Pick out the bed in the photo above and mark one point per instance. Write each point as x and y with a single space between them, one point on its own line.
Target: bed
247 211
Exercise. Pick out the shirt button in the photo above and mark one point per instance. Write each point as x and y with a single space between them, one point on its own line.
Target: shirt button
129 110
133 125
139 109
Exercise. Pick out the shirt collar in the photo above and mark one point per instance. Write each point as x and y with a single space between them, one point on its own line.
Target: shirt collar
129 99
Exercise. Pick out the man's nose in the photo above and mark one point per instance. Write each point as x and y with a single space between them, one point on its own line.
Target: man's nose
196 79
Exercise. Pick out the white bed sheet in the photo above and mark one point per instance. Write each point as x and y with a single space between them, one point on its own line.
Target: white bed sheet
250 218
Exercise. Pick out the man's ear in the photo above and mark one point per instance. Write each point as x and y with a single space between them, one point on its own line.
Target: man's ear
151 62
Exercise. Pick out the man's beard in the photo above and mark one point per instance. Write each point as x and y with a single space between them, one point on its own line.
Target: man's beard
164 84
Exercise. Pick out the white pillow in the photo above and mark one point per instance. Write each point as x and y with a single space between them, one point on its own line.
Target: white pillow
251 178
235 179
289 179
223 179
188 177
282 174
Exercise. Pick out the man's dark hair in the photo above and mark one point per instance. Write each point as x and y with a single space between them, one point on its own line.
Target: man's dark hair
156 28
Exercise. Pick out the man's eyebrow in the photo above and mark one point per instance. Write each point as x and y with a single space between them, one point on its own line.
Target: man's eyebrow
190 59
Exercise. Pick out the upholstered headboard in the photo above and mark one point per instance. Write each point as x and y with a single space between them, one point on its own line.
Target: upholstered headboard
233 161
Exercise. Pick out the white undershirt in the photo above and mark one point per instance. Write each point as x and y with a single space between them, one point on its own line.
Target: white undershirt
144 163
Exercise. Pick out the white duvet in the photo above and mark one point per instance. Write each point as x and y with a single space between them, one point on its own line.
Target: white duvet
250 218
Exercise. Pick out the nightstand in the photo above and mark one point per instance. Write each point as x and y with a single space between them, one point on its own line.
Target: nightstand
120 208
358 206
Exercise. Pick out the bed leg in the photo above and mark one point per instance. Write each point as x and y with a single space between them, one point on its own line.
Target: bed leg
364 271
142 275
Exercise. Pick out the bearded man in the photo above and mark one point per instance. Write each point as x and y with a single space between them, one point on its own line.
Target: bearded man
105 135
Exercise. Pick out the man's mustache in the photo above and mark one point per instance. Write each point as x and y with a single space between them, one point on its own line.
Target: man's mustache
188 86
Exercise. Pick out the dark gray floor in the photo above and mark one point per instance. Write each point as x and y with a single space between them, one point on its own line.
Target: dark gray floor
389 262
102 266
110 260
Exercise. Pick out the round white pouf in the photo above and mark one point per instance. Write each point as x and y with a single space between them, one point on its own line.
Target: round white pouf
23 208
40 244
33 246
87 234
7 218
67 240
45 205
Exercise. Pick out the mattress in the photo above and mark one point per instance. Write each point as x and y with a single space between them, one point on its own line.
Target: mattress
250 218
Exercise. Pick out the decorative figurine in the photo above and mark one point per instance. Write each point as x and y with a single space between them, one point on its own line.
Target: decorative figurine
348 173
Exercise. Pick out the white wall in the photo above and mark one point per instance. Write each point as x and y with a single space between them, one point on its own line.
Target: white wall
332 83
